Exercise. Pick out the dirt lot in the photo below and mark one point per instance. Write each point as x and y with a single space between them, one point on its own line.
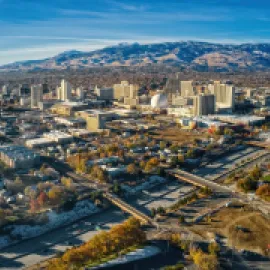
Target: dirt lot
244 228
179 135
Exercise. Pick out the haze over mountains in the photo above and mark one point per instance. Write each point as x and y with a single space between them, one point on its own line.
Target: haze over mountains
200 56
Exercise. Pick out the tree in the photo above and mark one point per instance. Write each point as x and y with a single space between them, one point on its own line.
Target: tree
67 181
81 166
42 199
255 173
213 248
161 210
176 239
99 174
263 190
30 192
132 169
153 161
246 184
228 132
2 214
43 168
203 260
55 194
148 168
34 206
153 212
18 181
117 188
174 160
206 191
142 164
190 153
181 219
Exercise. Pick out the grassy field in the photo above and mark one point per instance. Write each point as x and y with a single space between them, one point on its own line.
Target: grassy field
254 232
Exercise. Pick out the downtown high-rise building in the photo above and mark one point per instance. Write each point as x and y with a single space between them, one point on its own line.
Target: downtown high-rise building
64 91
224 94
5 89
186 88
204 104
125 90
36 95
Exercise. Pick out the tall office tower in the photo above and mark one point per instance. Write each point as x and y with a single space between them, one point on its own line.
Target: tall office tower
58 92
36 95
125 90
225 95
186 88
64 93
204 104
211 89
134 91
5 90
172 87
80 93
230 96
46 88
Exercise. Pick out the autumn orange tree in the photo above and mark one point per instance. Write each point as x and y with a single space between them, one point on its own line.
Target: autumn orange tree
119 238
264 191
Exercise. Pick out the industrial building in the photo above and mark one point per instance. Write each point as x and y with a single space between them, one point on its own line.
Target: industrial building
51 138
68 108
18 157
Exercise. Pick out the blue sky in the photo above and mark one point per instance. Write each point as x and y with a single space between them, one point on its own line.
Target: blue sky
34 29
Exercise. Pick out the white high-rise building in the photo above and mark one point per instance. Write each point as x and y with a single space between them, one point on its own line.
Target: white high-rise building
36 95
5 89
80 93
64 91
186 88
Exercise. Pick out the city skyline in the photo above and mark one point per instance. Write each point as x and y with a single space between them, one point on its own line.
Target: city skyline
31 30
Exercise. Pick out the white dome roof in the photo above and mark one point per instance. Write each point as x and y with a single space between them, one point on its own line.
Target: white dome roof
159 101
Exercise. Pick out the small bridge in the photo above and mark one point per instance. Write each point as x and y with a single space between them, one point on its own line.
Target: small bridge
128 208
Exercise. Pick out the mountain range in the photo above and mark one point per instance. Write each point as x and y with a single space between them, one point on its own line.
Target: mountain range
200 56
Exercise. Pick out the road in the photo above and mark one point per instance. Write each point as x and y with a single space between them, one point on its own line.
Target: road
220 166
35 250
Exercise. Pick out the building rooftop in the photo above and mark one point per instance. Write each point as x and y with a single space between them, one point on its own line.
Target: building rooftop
18 152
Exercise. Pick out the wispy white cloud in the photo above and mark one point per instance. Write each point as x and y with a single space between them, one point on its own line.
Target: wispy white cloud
127 7
146 17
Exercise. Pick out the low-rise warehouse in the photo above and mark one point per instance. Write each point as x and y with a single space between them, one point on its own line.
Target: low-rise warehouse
18 157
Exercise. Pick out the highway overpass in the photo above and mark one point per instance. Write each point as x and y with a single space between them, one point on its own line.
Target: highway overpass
197 181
